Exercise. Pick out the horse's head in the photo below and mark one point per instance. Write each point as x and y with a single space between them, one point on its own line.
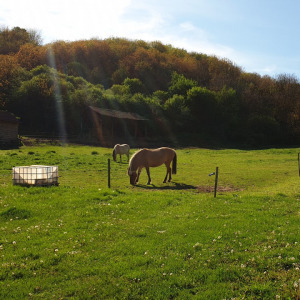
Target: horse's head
133 176
114 155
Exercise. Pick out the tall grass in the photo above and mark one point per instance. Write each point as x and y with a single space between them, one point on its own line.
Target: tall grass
81 240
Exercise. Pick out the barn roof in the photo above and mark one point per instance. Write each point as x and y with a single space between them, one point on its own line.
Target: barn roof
117 114
7 117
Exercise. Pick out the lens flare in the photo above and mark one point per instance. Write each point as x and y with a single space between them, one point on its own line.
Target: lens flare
58 98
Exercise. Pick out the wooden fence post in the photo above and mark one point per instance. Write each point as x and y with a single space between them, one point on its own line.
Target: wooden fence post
216 181
108 171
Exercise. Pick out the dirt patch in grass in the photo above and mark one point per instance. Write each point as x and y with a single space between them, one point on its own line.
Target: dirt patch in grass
28 141
224 189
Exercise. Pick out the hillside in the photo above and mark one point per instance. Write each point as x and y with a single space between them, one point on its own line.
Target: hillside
208 97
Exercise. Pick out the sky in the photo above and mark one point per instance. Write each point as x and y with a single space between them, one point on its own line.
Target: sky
259 36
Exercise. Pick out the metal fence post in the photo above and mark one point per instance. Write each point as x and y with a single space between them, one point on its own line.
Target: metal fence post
216 181
108 169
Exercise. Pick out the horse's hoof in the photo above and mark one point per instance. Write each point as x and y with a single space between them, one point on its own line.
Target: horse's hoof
164 181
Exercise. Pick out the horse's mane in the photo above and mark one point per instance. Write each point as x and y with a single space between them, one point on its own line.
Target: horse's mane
130 161
132 157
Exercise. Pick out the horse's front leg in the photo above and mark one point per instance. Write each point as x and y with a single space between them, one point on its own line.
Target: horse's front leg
120 158
148 173
138 175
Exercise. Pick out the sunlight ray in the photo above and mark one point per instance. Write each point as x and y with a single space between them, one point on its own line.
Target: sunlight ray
58 98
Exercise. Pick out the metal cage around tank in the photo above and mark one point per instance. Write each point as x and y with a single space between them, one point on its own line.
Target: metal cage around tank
36 175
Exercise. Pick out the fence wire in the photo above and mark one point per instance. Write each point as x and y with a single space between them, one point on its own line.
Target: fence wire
79 177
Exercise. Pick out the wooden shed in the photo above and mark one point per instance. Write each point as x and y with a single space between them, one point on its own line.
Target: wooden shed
110 125
9 126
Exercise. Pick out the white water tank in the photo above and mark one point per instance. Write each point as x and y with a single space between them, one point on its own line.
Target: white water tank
35 175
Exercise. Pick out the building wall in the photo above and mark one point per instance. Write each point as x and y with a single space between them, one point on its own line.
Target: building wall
8 133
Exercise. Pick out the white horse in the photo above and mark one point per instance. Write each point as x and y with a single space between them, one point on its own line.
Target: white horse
121 149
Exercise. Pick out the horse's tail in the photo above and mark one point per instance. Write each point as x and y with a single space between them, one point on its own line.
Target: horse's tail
174 164
114 154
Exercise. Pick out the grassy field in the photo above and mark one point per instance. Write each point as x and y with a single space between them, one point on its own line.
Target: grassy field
81 240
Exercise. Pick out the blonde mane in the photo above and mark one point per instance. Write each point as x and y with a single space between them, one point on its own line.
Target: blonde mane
130 161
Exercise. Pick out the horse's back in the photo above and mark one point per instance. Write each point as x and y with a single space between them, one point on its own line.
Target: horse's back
122 147
156 157
164 152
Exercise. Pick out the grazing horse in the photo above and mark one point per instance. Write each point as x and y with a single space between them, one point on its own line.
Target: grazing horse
121 149
146 158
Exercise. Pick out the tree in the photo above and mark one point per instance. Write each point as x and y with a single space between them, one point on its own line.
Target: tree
203 106
161 96
262 130
181 85
8 76
222 72
12 40
30 56
175 105
287 105
135 85
178 113
120 89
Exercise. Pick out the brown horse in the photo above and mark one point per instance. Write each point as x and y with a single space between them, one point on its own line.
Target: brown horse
146 158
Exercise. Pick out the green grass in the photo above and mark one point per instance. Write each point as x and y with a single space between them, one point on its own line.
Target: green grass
81 240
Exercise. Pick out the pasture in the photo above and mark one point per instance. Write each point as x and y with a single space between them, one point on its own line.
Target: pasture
81 240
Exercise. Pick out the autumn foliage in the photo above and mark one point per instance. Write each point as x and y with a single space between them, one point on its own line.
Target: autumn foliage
192 94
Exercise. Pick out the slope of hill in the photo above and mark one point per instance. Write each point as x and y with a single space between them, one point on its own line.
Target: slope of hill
206 96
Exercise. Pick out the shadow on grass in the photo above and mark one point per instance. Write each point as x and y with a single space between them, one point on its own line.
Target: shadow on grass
174 186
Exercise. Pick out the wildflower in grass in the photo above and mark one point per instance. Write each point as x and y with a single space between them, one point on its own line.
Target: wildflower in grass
197 245
243 266
14 242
